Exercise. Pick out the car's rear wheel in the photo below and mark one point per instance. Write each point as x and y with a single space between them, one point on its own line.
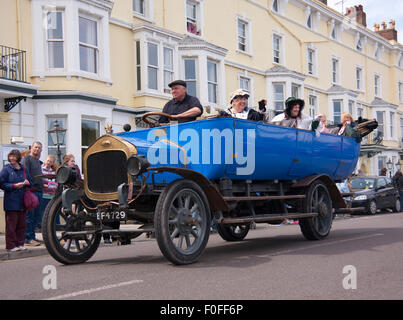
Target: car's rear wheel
233 232
317 200
182 222
372 207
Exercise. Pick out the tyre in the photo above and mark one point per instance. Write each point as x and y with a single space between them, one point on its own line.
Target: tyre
317 200
396 207
182 222
68 249
233 232
372 207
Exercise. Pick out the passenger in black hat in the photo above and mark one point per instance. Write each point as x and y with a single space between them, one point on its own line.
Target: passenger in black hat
182 107
293 116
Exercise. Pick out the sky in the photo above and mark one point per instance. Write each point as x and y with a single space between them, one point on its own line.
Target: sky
377 11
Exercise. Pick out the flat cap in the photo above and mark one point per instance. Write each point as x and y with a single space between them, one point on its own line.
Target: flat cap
177 82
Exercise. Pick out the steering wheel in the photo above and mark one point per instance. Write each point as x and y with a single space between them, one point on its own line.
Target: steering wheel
153 123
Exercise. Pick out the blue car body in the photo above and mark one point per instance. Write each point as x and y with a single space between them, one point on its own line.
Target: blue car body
244 150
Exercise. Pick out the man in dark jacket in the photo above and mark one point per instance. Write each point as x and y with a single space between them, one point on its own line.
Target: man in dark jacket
182 107
34 217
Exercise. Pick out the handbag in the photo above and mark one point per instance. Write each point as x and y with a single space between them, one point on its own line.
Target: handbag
30 199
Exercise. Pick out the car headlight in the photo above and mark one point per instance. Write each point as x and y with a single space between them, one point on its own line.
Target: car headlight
362 197
137 165
66 175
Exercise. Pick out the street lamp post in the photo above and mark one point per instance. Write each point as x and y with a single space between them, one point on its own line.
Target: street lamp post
389 165
57 135
398 165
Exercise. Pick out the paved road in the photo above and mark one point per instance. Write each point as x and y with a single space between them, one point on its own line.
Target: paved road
273 262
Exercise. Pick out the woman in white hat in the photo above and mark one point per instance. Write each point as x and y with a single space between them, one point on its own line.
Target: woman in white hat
239 109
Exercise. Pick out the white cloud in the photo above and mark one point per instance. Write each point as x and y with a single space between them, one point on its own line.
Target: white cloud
376 11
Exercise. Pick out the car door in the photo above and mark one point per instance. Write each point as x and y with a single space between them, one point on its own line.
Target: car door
380 193
390 193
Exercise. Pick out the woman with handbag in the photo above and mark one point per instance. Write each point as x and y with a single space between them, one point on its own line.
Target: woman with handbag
13 180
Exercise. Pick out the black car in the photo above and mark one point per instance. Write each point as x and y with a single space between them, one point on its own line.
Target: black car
375 192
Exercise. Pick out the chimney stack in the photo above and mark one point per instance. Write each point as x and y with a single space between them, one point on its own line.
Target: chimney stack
357 14
388 34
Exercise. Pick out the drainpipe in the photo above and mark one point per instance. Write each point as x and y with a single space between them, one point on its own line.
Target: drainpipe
17 6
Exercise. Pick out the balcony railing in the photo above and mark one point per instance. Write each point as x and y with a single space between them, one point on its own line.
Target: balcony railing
13 64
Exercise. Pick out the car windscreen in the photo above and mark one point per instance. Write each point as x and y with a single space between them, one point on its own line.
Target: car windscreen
362 183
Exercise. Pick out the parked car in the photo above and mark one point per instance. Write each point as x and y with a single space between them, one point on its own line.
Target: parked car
375 192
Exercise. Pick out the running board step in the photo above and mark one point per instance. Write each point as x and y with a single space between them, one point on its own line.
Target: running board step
114 231
266 218
347 210
259 198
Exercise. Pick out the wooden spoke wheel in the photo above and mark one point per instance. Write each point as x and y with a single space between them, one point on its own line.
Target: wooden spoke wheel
182 222
317 200
69 249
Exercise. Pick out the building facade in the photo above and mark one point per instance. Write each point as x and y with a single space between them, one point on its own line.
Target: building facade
87 63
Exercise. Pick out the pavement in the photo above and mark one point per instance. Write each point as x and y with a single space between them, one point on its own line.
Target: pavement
30 252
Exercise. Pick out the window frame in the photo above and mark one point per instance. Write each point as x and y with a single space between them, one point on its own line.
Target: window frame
359 78
211 82
83 147
312 61
275 101
166 70
195 80
377 85
246 78
51 117
335 70
143 7
280 50
197 20
247 37
88 45
55 40
391 125
155 67
381 124
339 112
313 107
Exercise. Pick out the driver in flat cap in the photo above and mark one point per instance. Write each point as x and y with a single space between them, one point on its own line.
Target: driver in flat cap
182 107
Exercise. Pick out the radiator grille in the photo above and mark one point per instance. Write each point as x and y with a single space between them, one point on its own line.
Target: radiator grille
106 171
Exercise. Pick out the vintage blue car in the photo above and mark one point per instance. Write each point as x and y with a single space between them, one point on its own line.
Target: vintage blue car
174 179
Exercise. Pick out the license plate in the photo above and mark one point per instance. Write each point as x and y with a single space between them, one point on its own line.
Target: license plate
111 215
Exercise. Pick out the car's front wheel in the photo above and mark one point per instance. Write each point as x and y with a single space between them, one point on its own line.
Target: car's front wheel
372 207
69 249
